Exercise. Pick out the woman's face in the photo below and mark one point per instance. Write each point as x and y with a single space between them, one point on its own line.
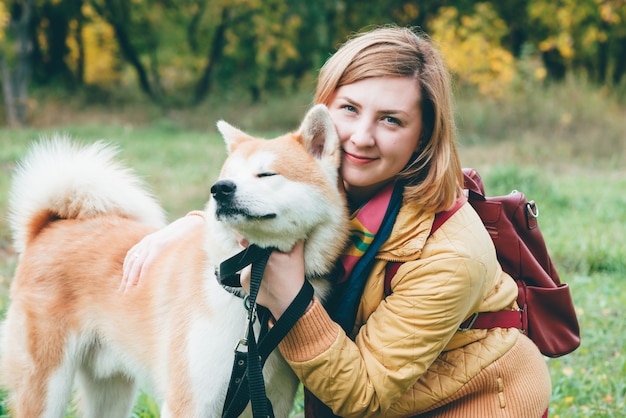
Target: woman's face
379 121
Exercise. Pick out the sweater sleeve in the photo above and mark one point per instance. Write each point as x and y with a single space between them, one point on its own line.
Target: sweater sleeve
311 336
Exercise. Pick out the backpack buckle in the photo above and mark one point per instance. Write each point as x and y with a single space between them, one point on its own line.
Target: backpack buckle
469 322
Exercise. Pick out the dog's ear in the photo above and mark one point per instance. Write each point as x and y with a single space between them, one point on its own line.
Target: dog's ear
232 136
319 135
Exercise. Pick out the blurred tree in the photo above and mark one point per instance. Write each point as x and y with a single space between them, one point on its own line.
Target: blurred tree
176 46
51 28
262 44
472 46
93 51
132 26
587 35
213 52
15 58
515 16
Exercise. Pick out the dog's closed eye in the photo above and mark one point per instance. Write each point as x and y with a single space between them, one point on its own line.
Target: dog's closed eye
266 174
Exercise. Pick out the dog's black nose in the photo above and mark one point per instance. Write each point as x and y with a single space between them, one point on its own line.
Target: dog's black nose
223 189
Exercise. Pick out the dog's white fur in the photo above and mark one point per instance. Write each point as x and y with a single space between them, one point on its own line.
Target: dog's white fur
75 212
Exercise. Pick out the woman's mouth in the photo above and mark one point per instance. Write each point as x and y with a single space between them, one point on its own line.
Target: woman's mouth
357 159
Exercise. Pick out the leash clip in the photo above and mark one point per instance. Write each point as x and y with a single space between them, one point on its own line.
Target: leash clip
242 342
252 310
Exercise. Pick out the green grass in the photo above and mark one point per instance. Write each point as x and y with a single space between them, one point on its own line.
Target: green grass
565 148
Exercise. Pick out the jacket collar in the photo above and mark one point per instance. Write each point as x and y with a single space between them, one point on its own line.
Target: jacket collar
408 235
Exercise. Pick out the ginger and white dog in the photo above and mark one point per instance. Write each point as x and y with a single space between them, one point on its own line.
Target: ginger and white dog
75 212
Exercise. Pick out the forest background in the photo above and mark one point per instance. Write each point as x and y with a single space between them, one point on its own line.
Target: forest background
180 53
540 91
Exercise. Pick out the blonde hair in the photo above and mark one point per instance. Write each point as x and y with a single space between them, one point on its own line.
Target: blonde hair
433 177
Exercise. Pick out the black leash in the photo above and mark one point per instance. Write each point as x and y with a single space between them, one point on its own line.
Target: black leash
228 272
246 382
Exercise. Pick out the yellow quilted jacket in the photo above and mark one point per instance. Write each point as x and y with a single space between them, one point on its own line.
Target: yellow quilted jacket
406 352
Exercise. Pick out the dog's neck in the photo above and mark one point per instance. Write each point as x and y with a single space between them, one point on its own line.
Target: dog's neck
320 247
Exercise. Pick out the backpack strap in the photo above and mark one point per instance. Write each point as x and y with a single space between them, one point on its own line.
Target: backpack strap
488 320
440 219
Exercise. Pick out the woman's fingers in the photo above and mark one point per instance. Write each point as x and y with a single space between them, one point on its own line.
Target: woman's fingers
143 254
138 260
133 265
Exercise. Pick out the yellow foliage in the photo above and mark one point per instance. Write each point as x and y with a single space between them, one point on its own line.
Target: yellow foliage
411 11
4 19
473 50
541 73
99 49
232 42
42 39
100 61
608 13
406 14
574 26
565 43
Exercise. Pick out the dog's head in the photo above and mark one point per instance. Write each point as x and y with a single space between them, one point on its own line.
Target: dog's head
278 191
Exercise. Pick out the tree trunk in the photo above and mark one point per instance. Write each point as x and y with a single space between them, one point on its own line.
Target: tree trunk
108 13
192 27
7 90
215 51
128 50
80 64
603 55
554 63
620 62
56 31
15 80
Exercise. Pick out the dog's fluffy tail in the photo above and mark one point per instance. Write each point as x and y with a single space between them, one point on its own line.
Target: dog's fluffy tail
60 179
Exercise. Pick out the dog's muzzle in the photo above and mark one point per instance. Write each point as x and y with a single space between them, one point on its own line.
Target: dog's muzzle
227 206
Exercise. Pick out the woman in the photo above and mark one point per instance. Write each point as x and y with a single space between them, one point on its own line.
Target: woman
404 352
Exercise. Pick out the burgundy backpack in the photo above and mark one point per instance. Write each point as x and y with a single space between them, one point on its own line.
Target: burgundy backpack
547 313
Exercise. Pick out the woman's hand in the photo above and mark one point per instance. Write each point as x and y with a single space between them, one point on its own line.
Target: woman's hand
141 256
282 280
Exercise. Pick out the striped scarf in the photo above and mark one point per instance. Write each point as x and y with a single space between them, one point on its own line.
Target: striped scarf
370 227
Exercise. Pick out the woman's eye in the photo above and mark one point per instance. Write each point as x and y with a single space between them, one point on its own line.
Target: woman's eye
392 120
266 174
350 108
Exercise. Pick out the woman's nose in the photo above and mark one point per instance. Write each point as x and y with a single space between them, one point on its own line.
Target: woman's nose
362 134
